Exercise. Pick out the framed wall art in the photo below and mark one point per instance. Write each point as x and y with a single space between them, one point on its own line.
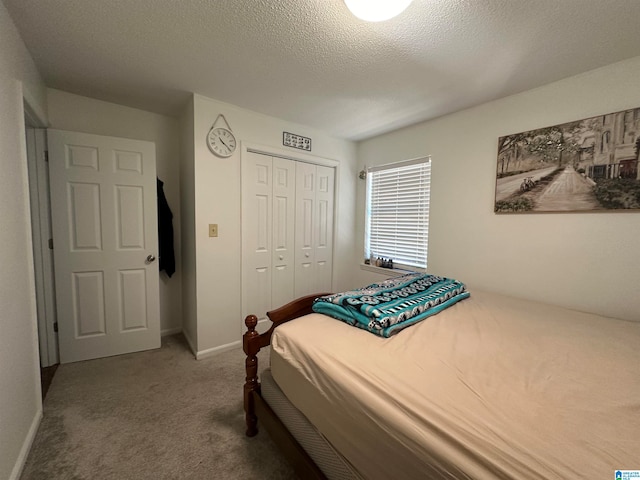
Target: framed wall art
581 166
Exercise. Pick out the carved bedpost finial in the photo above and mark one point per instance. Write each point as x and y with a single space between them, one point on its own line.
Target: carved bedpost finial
251 322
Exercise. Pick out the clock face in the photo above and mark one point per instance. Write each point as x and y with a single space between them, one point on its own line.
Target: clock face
221 142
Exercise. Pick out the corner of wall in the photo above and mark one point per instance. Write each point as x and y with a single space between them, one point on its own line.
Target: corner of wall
187 226
20 400
26 446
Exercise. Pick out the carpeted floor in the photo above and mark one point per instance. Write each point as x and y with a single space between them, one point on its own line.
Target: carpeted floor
156 415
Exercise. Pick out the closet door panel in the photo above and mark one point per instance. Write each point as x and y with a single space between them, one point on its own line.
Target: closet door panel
257 219
304 228
283 251
323 229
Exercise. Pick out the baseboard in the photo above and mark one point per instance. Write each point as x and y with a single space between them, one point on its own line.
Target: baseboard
26 446
170 331
216 350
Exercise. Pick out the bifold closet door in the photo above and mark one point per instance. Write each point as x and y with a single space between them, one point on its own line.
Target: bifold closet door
268 213
257 211
314 228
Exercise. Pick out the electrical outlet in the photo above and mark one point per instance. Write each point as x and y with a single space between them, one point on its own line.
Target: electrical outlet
213 229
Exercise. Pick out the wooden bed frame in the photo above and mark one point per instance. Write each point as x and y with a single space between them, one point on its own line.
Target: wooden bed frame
254 405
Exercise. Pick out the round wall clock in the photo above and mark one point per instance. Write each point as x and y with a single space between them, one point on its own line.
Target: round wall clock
221 141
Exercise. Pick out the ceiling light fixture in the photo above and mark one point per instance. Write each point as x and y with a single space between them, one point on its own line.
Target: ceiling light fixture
377 10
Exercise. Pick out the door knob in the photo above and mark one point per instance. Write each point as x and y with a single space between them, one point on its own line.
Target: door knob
306 255
150 259
281 257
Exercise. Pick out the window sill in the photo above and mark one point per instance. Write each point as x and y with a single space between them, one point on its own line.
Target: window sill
392 272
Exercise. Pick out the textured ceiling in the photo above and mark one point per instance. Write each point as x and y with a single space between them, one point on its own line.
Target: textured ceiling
312 62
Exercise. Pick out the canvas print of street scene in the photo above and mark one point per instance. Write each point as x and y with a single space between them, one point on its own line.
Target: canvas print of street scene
586 165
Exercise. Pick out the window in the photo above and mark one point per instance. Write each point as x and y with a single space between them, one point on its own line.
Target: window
397 209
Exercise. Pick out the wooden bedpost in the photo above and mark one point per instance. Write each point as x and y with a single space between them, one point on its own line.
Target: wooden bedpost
251 346
252 342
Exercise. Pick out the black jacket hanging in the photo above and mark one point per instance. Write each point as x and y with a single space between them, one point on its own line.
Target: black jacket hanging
165 233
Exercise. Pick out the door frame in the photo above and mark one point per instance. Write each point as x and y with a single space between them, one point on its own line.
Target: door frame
246 147
37 172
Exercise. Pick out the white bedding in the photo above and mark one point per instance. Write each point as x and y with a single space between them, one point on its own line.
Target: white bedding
492 387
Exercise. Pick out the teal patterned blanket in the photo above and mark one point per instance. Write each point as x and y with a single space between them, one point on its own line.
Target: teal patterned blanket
386 308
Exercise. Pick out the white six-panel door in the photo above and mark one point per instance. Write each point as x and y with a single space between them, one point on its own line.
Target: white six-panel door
104 215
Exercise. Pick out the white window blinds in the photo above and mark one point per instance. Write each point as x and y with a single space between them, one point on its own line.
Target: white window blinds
398 212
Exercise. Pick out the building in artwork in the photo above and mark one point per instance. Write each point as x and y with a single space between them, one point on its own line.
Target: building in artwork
616 144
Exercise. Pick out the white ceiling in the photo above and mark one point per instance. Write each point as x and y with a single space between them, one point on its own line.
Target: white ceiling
312 62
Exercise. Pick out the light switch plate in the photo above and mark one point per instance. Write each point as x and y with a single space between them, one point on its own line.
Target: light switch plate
213 229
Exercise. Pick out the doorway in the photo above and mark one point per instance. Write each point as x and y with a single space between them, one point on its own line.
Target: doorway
41 235
107 304
40 210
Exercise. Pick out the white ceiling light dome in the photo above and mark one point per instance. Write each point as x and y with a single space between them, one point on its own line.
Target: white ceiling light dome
377 10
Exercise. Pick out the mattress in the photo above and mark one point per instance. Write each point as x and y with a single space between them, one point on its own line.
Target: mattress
492 387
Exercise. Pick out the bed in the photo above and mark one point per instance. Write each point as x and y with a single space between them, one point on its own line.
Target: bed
490 387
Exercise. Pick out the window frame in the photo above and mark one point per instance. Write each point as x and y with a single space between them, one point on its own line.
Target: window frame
424 232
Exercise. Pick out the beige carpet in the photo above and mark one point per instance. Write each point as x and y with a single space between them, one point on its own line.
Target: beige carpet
151 415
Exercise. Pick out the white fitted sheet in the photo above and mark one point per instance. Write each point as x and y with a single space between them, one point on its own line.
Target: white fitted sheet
492 387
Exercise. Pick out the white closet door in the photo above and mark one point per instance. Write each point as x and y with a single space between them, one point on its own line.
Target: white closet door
287 231
305 218
323 229
282 259
257 207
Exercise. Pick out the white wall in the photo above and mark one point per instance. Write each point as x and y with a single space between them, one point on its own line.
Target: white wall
586 261
87 115
217 200
20 404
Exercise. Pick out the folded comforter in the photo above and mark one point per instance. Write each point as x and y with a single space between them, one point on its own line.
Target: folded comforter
386 308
